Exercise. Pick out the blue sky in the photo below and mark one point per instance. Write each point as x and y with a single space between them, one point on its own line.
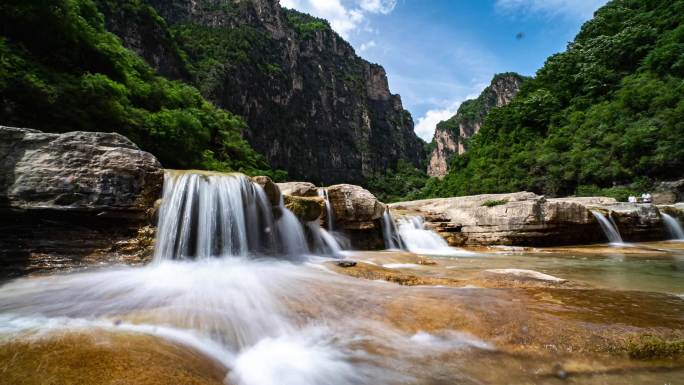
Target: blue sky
438 53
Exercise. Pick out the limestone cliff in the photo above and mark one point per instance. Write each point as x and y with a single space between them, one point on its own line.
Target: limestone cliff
313 107
451 135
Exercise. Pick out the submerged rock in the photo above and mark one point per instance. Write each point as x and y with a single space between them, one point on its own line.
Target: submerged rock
521 274
72 195
103 357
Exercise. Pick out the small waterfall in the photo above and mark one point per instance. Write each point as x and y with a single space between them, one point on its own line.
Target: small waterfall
291 232
324 242
609 228
420 240
389 232
212 214
329 216
673 226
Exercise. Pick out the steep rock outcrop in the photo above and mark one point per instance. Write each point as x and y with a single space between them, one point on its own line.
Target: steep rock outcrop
450 135
313 107
67 196
528 219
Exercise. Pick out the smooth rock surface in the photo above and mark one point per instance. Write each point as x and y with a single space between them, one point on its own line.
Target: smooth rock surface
525 218
299 189
358 213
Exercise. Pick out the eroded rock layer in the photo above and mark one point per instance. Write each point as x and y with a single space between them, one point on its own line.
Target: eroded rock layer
67 196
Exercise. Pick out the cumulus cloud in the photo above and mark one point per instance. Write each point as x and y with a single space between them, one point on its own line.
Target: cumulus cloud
425 126
344 16
582 9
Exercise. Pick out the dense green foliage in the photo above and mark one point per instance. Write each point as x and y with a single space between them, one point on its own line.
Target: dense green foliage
403 183
609 111
61 70
305 24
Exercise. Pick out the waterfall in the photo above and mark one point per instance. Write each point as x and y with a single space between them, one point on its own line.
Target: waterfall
389 232
420 240
609 228
213 214
673 226
323 241
291 232
329 216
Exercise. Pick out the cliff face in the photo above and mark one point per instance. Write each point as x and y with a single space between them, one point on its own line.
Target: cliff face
450 135
313 107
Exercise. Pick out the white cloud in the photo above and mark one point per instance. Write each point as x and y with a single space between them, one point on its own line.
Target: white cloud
425 126
367 45
582 9
344 16
378 6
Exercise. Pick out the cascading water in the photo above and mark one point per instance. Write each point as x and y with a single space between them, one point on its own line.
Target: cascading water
420 240
609 229
673 226
389 232
329 216
212 214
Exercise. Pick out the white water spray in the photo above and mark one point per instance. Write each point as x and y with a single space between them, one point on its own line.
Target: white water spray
673 226
389 232
329 215
420 240
609 229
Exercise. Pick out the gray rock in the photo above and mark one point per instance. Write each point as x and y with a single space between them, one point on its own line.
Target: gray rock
528 219
76 171
298 189
358 213
69 199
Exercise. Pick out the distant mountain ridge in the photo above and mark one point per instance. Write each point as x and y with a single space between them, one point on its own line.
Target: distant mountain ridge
451 135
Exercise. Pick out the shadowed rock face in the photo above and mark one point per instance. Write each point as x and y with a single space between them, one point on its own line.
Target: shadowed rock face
313 107
67 195
528 219
450 135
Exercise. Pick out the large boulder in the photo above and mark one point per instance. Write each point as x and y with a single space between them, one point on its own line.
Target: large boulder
353 205
298 189
64 197
358 213
526 218
76 171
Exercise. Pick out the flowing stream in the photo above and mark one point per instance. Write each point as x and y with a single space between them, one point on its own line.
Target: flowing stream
239 285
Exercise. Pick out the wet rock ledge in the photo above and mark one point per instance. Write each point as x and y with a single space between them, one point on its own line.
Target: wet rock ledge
528 219
65 198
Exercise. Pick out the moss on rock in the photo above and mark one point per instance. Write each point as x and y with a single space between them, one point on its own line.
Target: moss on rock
305 208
